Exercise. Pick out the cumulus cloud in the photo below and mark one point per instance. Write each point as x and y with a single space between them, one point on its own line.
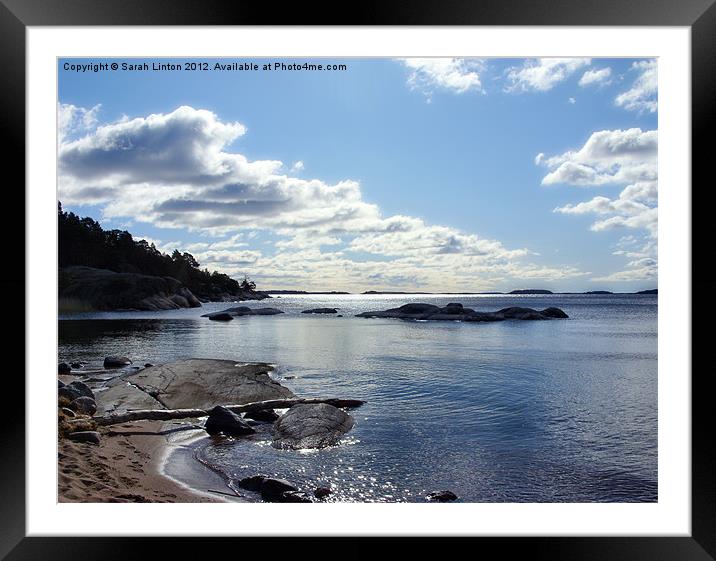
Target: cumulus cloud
72 119
457 75
176 170
542 74
615 157
596 77
642 96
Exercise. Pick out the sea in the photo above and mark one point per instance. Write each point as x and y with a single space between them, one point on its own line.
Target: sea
512 411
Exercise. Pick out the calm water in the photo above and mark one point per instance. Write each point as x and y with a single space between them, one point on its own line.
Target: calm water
562 410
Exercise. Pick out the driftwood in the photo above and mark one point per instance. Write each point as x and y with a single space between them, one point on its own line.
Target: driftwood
169 414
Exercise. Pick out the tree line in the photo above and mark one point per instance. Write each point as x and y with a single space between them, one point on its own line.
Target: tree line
82 241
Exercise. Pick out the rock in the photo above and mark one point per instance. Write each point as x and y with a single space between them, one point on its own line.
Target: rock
101 289
85 436
322 492
68 412
252 483
442 496
311 426
339 316
76 364
221 420
116 361
199 383
230 313
531 291
60 384
220 317
63 368
264 416
273 489
83 405
456 312
294 497
74 390
321 311
148 365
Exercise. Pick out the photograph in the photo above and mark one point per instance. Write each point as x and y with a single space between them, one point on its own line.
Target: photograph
357 280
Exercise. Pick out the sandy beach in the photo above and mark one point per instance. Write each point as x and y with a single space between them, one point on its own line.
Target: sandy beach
127 466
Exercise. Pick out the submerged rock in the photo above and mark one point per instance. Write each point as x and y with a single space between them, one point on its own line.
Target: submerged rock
456 312
321 311
221 420
238 311
442 496
311 426
116 361
63 368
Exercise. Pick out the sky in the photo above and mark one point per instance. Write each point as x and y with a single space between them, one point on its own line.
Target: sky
434 174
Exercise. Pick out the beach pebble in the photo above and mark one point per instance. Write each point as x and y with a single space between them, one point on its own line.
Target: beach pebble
442 496
221 420
322 492
63 368
116 361
85 436
265 416
83 405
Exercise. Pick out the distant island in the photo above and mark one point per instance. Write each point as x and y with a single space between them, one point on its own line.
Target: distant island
304 292
531 291
650 291
110 270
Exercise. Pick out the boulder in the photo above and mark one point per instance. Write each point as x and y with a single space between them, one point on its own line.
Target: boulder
75 389
83 405
220 317
554 313
273 489
76 364
67 412
442 496
63 368
85 436
148 365
321 311
116 361
101 289
252 483
263 416
60 384
311 426
294 497
238 311
221 420
322 492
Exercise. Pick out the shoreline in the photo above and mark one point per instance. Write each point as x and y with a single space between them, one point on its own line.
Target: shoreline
130 465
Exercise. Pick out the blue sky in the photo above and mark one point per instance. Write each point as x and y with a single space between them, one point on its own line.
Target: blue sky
417 174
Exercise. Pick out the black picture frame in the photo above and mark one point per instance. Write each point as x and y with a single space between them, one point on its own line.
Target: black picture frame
16 15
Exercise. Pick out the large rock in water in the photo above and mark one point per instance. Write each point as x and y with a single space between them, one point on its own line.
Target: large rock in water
230 313
101 289
456 312
311 426
202 383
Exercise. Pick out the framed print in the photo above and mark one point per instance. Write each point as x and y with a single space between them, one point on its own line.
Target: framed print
408 274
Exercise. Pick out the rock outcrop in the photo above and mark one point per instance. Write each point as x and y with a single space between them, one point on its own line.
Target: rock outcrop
456 312
321 311
87 288
231 313
221 420
311 426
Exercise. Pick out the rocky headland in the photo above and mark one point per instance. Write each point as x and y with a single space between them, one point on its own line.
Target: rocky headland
457 312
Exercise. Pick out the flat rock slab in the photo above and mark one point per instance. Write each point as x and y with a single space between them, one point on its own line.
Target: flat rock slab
311 426
321 311
238 311
205 383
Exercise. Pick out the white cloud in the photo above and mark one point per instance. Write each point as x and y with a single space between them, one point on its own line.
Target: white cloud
572 101
542 74
642 96
596 77
174 170
297 166
457 75
616 157
72 119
